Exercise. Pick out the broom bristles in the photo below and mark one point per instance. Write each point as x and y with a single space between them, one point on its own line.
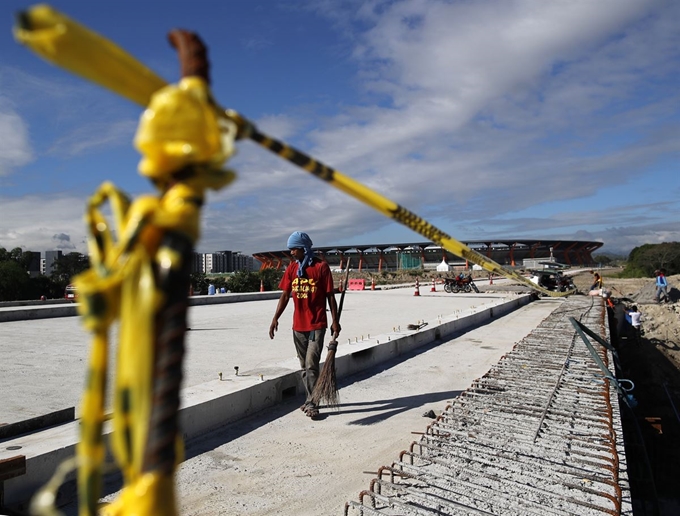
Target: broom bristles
326 388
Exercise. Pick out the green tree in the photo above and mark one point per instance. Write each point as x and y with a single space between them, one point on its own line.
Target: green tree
647 258
219 281
244 281
68 266
18 255
602 259
14 281
44 286
199 282
270 278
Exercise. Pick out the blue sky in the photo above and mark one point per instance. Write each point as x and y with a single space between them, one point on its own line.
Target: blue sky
491 119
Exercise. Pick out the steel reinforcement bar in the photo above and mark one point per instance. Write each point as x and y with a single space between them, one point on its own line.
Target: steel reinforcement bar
539 434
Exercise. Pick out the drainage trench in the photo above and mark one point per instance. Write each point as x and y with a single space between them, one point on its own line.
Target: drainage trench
539 434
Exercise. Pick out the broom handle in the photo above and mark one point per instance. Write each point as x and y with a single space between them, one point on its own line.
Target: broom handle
342 298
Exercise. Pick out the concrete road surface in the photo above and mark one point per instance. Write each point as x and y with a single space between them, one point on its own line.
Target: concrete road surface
282 463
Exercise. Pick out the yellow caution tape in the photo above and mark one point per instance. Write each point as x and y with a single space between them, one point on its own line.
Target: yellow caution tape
389 208
62 41
65 43
182 127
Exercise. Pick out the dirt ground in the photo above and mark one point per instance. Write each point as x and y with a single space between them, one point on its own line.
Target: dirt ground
660 322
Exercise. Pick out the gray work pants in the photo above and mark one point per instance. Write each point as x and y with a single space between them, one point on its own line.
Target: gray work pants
309 345
661 293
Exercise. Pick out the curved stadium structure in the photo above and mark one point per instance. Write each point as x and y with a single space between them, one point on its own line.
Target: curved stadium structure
380 257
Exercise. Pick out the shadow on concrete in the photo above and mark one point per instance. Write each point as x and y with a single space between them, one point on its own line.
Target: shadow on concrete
389 408
228 433
398 405
250 423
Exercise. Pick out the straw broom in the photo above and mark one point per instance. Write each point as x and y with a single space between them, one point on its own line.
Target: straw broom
326 388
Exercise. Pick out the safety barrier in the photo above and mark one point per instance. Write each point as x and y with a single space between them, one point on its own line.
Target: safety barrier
357 284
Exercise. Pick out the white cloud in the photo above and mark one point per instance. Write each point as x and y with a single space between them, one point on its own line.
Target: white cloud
469 112
279 126
15 147
69 116
92 136
42 223
479 109
256 43
441 63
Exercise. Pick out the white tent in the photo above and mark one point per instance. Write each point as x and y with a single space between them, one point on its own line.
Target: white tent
443 267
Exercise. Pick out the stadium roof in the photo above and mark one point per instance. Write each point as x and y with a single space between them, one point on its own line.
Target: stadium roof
415 254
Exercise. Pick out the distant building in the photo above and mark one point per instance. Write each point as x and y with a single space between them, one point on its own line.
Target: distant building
221 262
242 262
197 262
34 266
47 264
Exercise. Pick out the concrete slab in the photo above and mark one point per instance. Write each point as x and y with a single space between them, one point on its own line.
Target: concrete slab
209 404
43 361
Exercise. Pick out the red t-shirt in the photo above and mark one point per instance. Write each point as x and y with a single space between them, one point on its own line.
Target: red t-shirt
309 294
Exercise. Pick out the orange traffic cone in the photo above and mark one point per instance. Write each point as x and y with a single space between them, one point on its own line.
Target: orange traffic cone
434 287
261 286
417 292
372 283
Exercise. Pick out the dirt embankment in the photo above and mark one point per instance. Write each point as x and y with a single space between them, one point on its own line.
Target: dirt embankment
660 321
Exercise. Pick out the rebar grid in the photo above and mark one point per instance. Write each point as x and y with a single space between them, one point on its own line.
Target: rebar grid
534 436
516 462
491 491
